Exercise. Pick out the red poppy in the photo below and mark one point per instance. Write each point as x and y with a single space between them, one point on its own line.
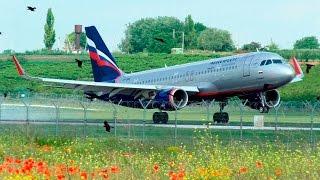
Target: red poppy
115 169
259 165
243 170
156 168
84 175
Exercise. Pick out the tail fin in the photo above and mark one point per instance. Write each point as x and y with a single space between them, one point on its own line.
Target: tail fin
104 66
297 69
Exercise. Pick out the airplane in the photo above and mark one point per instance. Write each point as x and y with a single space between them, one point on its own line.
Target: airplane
253 77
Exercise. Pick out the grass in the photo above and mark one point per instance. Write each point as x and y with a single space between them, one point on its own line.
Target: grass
63 66
196 155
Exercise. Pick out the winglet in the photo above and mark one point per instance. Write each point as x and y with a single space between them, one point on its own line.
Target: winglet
296 66
18 66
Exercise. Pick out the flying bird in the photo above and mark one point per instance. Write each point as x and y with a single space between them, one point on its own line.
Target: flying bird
0 33
309 66
31 8
160 40
79 63
107 126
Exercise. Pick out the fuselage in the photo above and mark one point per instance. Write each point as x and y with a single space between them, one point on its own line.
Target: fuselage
221 77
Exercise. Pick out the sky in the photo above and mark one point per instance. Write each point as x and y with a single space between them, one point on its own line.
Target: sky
282 21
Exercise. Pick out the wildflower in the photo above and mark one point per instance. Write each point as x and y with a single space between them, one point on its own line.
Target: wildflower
278 172
46 148
171 163
115 169
243 170
72 170
181 174
84 175
127 155
156 168
60 177
259 164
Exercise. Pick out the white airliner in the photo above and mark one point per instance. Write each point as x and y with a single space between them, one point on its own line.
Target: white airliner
253 77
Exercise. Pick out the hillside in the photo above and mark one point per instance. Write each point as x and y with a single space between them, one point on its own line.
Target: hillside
63 66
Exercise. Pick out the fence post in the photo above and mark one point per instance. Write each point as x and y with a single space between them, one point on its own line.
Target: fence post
312 108
208 106
242 106
27 115
115 115
176 123
85 118
56 106
1 101
276 108
144 106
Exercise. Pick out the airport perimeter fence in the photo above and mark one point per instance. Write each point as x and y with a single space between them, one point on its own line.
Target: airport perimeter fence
75 116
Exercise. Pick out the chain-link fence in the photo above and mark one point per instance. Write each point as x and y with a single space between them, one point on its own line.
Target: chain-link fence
74 116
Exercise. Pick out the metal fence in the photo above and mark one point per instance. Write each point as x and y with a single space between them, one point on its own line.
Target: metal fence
74 116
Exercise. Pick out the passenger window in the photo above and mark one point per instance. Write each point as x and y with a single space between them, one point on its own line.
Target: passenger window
269 62
263 62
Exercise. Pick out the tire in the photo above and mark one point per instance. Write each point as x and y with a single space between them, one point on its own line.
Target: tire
156 118
221 117
164 118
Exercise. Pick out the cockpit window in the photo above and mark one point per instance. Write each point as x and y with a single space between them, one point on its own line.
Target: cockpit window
263 62
277 61
269 62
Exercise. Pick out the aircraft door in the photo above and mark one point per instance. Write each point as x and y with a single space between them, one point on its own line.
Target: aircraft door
246 66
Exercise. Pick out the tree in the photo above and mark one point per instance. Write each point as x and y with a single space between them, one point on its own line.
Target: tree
72 37
49 32
273 46
190 33
199 27
144 35
253 46
310 42
215 40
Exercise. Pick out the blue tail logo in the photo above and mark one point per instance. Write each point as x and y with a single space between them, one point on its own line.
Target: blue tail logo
104 66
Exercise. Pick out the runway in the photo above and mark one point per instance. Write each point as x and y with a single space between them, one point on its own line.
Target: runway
179 126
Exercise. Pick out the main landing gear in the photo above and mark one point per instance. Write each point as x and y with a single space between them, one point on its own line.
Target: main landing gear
160 117
221 117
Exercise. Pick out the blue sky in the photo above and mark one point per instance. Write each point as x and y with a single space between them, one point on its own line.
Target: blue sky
283 21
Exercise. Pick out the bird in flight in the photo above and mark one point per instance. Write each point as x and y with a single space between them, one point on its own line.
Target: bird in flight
79 63
160 40
309 66
31 8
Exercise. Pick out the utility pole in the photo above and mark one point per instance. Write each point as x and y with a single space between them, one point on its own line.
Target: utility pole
174 36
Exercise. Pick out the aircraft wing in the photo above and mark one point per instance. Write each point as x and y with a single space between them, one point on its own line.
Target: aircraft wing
100 86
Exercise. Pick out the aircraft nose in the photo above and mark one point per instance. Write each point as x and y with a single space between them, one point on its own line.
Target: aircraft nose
288 73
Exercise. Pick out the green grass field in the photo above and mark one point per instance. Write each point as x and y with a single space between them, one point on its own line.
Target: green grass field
63 66
194 155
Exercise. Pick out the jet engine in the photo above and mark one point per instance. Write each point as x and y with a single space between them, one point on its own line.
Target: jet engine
271 98
170 99
263 101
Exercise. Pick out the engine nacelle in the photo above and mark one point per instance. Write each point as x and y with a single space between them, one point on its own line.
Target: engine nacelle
271 98
170 99
264 101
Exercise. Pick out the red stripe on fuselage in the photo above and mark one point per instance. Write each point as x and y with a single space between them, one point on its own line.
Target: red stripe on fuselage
227 93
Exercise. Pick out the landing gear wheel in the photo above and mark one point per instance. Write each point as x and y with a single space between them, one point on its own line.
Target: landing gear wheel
221 117
160 117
